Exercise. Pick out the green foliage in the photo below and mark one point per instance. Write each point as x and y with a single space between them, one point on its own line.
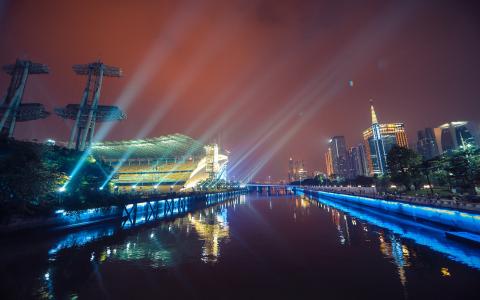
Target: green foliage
308 181
459 170
363 181
382 182
31 174
25 178
403 165
463 168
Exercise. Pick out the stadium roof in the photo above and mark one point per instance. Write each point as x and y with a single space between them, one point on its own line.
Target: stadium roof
164 147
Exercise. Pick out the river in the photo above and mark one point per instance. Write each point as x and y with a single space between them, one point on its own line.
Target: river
248 247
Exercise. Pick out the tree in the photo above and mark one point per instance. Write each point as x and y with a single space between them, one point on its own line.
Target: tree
31 174
381 182
462 166
404 167
363 181
25 179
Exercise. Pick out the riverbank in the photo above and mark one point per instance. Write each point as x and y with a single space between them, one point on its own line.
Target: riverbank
65 218
370 192
453 219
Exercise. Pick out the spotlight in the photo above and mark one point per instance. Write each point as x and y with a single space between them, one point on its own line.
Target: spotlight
62 189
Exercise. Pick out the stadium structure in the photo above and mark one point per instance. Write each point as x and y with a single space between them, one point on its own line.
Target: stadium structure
12 108
168 163
89 112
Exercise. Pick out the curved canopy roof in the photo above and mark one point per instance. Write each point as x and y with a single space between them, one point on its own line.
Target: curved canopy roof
164 147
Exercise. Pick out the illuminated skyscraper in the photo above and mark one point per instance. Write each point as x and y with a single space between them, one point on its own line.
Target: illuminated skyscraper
291 170
459 134
301 171
339 156
379 139
328 162
296 170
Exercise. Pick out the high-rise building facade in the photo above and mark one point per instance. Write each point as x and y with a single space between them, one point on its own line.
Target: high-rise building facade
301 171
291 170
455 135
296 170
362 155
379 139
357 162
339 156
329 162
426 143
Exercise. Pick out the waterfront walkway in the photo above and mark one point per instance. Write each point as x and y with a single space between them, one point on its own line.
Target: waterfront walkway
372 193
456 220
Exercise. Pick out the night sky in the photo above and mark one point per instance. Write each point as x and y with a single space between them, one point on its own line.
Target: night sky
267 79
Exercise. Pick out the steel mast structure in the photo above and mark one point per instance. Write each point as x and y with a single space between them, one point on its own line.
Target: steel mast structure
88 112
12 109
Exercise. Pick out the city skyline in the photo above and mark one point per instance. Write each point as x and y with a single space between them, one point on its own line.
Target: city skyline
221 56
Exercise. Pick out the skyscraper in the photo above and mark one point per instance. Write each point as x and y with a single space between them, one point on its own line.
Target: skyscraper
301 171
296 170
339 156
426 144
379 139
329 162
357 162
362 155
291 170
453 135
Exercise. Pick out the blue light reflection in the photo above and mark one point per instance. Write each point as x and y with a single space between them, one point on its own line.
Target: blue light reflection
453 218
425 235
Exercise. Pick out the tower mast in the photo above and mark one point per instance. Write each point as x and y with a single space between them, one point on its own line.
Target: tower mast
12 110
88 112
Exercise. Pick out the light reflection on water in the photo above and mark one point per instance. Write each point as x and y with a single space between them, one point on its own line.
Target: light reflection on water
152 248
422 234
200 238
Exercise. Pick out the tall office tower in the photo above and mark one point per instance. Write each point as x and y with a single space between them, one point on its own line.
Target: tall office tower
362 156
329 162
379 139
426 143
301 171
339 156
291 170
296 170
357 162
351 157
455 135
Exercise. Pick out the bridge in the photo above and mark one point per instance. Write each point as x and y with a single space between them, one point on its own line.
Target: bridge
269 187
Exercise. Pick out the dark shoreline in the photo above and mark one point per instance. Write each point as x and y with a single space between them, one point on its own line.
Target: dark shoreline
63 219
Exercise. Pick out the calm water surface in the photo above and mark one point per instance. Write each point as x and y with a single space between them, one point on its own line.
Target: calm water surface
251 247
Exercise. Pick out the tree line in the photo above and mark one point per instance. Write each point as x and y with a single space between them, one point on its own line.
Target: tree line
454 172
